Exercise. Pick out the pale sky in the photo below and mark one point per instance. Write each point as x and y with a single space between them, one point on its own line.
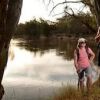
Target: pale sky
37 9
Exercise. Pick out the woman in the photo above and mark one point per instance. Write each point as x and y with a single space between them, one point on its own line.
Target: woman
97 38
83 56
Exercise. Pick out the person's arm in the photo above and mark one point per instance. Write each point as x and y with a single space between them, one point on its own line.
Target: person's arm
98 35
75 61
92 55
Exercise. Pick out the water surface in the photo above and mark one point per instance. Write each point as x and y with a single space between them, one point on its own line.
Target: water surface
39 65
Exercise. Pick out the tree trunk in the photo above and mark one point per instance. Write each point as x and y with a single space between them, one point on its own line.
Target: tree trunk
96 4
10 11
97 10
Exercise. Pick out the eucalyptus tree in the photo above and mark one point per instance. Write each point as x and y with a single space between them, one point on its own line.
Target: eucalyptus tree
96 4
10 11
93 7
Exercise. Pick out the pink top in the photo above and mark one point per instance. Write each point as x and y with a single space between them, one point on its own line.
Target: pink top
83 58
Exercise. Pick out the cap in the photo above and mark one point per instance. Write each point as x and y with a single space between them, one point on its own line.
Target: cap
81 40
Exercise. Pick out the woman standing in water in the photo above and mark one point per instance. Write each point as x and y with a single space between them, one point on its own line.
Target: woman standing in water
83 56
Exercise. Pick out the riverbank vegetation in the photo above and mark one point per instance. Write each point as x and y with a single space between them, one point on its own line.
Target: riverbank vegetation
84 25
72 93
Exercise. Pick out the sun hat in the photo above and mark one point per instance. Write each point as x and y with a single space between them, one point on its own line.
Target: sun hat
81 40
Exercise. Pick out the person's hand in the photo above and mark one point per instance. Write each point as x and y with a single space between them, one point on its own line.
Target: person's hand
97 38
77 70
91 61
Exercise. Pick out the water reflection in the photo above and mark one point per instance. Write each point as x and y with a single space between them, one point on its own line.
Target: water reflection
42 58
63 47
43 62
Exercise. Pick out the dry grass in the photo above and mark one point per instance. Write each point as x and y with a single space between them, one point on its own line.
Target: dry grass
71 93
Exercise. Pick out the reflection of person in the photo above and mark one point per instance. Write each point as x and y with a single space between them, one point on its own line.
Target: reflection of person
97 38
83 56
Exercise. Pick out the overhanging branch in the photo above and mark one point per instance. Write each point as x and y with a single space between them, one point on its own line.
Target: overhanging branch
64 3
83 22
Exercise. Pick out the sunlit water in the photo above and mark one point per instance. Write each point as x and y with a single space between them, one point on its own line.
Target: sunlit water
31 75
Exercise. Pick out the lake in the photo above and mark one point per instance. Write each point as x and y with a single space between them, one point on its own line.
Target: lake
36 68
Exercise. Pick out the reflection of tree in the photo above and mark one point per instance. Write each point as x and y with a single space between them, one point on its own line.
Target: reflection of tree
11 53
37 45
63 47
66 49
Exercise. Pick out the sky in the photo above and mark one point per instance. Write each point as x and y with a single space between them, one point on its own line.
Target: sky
37 9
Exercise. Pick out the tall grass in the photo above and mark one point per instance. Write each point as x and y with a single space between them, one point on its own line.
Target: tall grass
72 93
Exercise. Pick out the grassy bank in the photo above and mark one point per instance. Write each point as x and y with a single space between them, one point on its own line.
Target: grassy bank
71 93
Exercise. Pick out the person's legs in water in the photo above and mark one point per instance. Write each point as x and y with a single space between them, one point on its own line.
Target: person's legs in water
89 83
81 80
88 72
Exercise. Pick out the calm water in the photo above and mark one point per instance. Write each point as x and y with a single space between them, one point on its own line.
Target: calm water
36 68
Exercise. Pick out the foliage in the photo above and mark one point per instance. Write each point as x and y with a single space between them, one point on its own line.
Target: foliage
67 25
81 24
34 28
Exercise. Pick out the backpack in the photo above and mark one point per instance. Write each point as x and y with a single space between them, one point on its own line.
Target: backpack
87 51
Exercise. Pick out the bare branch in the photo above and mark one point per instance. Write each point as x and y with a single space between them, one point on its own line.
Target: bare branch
44 1
87 4
58 14
53 2
83 22
64 3
81 9
72 10
49 2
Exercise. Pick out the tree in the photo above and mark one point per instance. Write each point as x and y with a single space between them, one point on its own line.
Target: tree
96 4
92 5
10 11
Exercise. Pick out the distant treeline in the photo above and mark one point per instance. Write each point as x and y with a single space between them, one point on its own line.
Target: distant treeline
67 26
